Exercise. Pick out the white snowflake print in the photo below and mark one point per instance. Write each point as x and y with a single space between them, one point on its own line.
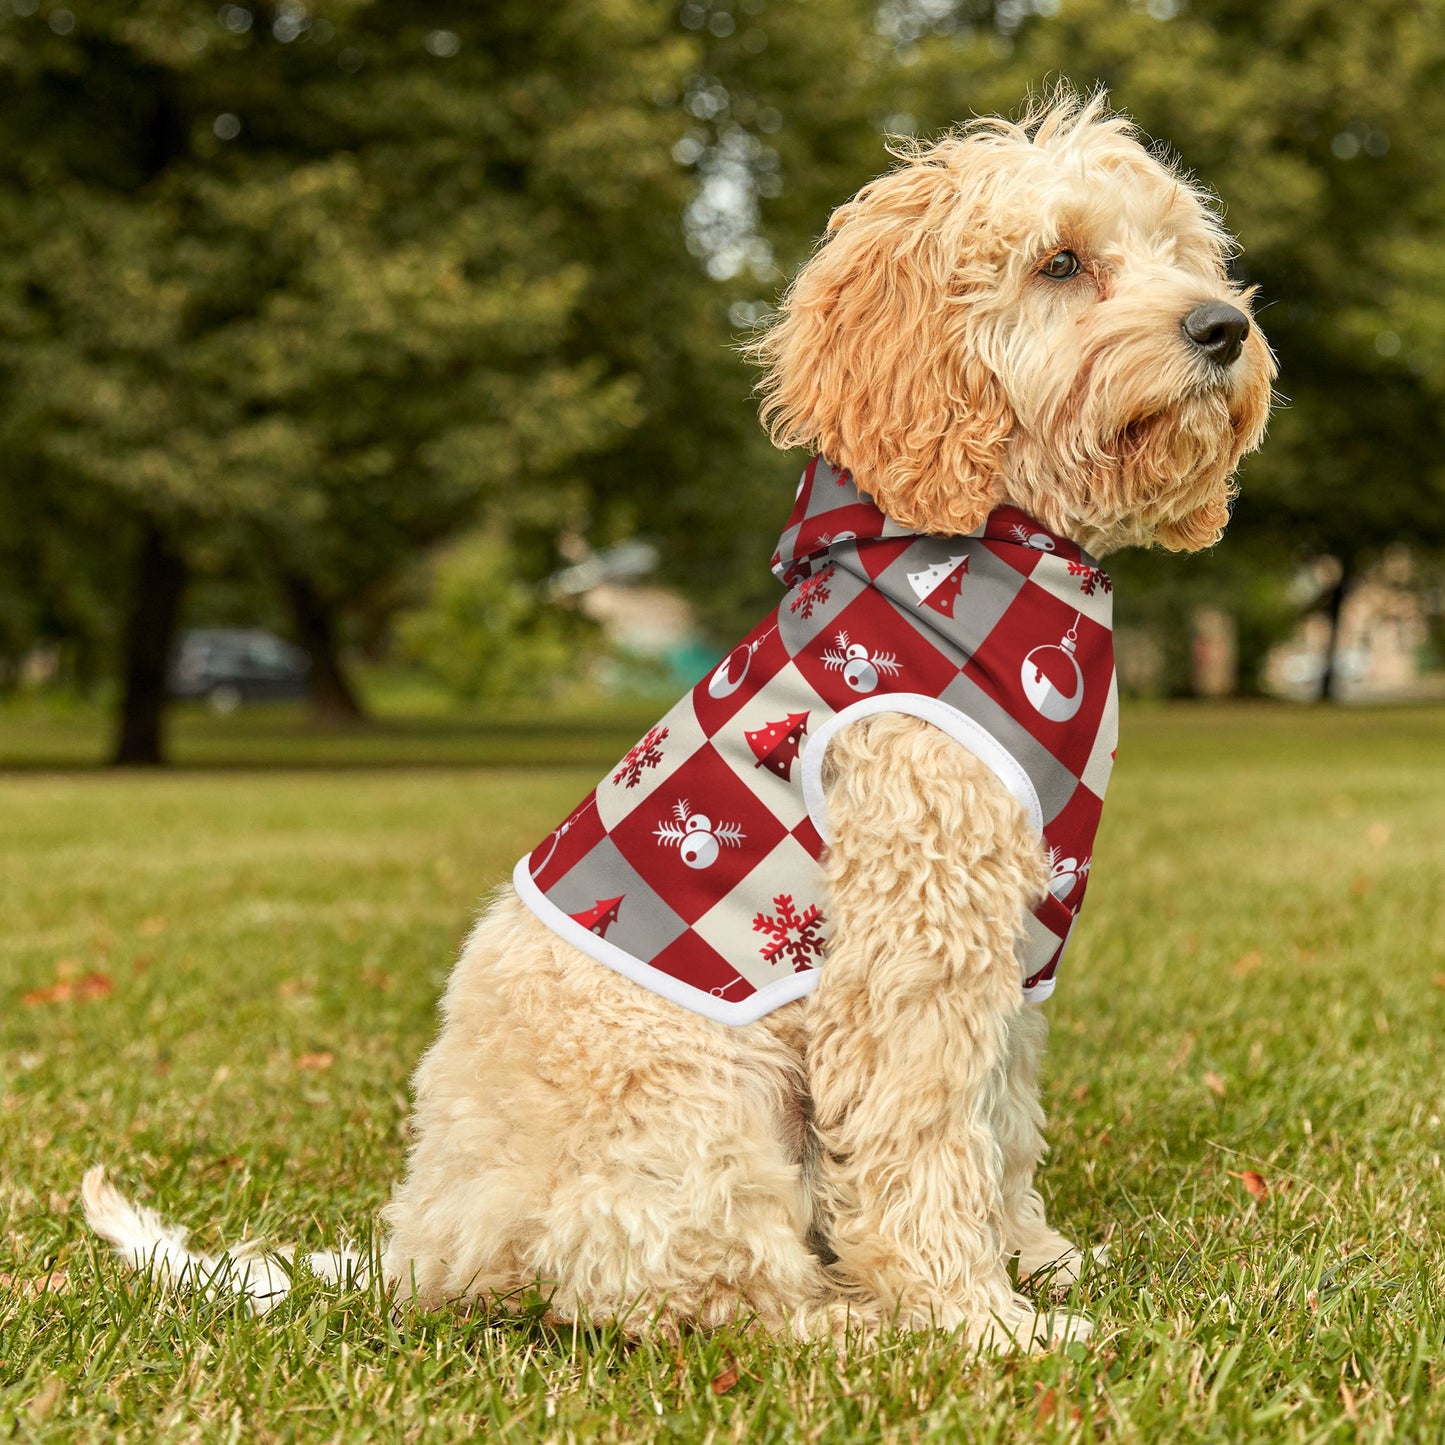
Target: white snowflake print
860 668
811 592
697 836
795 936
647 754
1091 579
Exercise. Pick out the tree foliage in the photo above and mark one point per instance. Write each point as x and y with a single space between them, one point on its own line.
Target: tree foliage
319 287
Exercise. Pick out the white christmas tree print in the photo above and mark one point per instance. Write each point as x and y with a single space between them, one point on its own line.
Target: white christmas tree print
938 586
859 667
795 936
646 754
697 836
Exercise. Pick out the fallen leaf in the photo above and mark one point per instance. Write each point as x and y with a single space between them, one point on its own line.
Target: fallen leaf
724 1382
1080 1094
56 1282
1047 1407
66 990
1248 962
322 1059
1214 1083
1254 1183
1440 980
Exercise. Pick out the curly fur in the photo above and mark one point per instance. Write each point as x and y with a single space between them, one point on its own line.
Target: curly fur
865 1156
920 347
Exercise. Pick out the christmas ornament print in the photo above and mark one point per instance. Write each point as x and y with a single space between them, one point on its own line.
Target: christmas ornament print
560 832
859 667
697 837
1053 681
708 890
732 671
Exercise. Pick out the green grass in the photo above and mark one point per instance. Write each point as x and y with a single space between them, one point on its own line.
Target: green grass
1257 986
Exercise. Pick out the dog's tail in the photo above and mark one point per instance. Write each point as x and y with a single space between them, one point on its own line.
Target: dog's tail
147 1243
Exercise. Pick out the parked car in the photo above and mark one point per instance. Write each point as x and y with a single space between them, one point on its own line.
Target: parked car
230 665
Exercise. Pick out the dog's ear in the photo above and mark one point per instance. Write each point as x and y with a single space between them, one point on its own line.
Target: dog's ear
873 358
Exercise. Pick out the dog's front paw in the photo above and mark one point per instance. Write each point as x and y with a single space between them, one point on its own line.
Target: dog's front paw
1023 1326
1058 1270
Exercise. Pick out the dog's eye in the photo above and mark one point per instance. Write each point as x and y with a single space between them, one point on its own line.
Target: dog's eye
1060 266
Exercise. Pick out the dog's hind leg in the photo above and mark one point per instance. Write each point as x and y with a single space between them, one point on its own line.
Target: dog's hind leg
578 1135
932 864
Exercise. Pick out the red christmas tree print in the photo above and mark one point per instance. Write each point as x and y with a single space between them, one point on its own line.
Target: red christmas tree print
812 591
938 586
647 754
776 745
796 936
600 917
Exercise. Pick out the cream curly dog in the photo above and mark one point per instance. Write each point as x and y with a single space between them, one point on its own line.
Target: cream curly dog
1031 314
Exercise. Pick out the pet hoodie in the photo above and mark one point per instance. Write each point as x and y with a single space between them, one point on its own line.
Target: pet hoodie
692 867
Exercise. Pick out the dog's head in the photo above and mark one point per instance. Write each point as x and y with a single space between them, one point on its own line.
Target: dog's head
1034 312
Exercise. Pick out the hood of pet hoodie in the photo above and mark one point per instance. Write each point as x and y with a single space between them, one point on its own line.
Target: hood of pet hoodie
693 867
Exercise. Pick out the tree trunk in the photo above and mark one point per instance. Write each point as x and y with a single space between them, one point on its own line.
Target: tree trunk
1329 676
160 578
333 699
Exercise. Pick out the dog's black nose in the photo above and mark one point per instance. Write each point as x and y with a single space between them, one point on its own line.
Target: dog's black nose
1218 330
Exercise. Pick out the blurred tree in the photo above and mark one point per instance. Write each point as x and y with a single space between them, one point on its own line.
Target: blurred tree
481 632
288 281
328 283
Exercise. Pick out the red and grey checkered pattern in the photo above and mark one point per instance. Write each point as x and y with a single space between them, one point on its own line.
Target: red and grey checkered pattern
692 867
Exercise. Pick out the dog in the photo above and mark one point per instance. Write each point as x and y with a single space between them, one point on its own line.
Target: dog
1014 353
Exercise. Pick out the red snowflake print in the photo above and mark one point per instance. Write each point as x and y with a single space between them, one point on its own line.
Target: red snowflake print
647 754
1091 579
796 936
811 592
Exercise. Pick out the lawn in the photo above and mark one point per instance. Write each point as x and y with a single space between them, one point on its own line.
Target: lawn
216 980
